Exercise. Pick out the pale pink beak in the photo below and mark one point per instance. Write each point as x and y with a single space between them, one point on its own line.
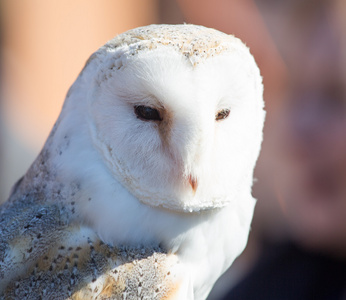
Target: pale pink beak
193 183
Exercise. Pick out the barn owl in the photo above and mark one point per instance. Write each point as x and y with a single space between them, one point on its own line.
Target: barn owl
143 187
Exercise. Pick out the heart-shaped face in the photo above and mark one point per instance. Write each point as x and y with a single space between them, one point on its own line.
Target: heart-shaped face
177 113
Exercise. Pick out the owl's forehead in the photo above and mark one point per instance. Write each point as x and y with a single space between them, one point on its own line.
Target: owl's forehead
196 43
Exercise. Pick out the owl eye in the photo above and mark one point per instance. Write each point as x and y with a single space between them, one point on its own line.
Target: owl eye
147 113
222 114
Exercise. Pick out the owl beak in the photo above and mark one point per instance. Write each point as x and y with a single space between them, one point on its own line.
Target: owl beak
193 183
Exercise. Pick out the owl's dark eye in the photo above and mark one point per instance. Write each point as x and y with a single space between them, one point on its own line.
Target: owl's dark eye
147 113
222 114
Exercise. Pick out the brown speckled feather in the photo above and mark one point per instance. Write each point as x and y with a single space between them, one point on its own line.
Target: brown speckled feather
43 257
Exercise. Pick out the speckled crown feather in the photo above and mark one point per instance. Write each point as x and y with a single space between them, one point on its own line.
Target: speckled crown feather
196 43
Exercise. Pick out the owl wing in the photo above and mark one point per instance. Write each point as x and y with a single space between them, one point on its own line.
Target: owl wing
42 256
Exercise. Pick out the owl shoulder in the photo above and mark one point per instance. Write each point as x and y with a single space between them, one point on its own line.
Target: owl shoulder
43 254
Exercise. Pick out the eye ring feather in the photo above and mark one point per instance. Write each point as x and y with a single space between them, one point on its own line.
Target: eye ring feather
222 114
147 113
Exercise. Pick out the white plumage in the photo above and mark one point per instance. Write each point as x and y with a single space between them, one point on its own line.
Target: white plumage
147 173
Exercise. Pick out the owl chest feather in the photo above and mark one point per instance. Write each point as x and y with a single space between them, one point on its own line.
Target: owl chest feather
204 244
170 257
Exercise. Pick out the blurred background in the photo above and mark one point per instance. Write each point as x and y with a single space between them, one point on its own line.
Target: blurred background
299 46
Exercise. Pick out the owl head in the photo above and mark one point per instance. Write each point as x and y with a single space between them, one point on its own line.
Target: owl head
175 113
